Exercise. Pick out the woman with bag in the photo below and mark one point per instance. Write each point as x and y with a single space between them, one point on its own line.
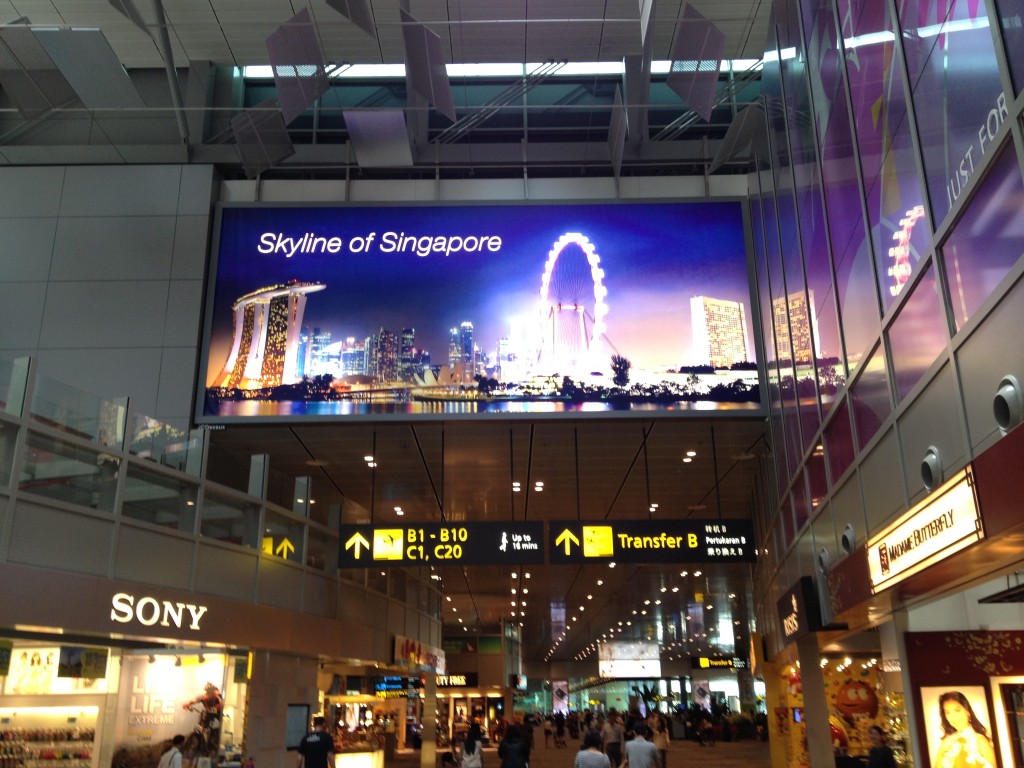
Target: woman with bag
473 748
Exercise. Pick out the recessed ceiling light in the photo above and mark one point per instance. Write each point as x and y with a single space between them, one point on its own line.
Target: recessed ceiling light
691 453
687 460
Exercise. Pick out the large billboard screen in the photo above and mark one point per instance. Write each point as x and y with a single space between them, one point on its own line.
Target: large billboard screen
445 311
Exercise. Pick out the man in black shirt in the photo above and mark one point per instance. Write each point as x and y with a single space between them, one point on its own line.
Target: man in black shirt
316 750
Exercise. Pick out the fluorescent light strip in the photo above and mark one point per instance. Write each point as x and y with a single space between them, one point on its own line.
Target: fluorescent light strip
383 71
872 38
959 25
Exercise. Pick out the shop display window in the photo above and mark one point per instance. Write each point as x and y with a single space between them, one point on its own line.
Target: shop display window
956 91
988 239
918 334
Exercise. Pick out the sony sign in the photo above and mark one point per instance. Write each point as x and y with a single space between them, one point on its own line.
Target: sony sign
944 523
149 611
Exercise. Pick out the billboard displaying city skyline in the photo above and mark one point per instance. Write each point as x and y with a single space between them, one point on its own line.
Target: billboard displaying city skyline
468 309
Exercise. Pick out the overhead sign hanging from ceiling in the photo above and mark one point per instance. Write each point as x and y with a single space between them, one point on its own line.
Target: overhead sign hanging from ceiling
651 541
441 544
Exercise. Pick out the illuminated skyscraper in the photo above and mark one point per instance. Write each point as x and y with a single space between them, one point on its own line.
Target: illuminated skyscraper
407 362
798 341
719 332
467 352
265 342
353 357
386 357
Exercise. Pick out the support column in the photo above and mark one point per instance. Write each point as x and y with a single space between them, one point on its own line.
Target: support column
277 680
819 733
428 749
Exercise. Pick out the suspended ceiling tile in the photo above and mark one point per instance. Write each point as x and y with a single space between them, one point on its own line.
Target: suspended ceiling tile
298 65
88 62
379 138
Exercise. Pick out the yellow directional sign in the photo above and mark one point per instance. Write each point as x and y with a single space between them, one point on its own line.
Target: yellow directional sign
356 542
568 538
444 544
668 540
284 549
388 544
597 541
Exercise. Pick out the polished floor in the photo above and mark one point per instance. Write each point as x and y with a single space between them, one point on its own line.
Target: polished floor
745 753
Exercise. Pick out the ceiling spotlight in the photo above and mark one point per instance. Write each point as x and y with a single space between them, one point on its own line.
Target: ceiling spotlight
202 659
177 661
152 659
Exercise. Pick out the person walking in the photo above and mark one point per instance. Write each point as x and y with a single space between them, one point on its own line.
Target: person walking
316 750
613 737
640 753
473 748
590 754
514 751
659 736
172 757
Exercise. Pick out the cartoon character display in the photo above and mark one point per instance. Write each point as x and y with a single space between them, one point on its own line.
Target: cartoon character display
856 697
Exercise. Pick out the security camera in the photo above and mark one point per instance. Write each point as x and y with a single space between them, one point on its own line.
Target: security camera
849 539
931 468
1008 404
823 558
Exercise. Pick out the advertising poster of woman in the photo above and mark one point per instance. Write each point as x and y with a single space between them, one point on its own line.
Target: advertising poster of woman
957 727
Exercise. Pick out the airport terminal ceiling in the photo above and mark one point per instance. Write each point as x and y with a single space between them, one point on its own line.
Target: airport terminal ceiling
554 114
615 470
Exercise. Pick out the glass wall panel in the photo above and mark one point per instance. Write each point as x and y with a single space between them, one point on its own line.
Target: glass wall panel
883 137
164 444
918 335
322 550
801 510
87 416
230 520
956 90
817 481
851 254
63 471
284 537
786 522
870 397
8 438
158 499
826 345
1011 12
988 239
839 441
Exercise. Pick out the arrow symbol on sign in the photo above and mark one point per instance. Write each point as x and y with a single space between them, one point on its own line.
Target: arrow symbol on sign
284 549
569 538
356 541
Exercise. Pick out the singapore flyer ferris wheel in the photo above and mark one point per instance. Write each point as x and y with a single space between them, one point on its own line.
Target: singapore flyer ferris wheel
572 308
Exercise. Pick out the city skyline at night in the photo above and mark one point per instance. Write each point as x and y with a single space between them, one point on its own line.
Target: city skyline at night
544 290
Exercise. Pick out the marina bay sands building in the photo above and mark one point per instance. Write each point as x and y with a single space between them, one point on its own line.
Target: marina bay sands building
266 334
